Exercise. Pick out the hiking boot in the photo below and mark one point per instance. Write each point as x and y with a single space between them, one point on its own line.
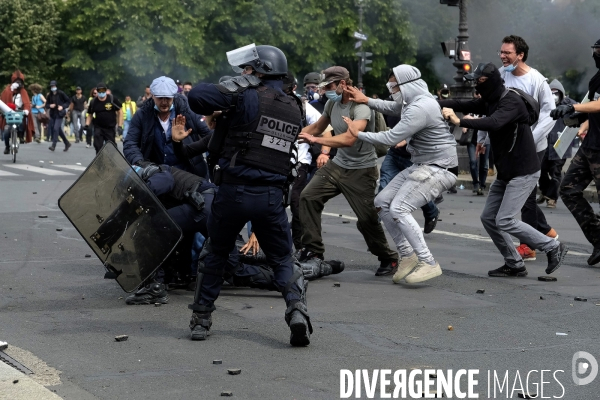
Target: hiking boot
296 316
150 294
551 203
595 257
405 267
541 198
430 225
67 146
307 255
6 150
556 257
505 272
552 234
480 192
200 325
387 267
526 253
423 272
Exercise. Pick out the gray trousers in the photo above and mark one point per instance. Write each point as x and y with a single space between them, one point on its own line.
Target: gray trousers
409 190
504 202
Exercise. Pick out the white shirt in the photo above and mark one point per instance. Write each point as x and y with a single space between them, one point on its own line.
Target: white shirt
536 85
312 116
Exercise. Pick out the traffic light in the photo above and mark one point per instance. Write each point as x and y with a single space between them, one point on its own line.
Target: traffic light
467 67
364 61
453 3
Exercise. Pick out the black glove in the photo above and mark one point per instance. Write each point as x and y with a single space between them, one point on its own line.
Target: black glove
120 131
145 172
561 111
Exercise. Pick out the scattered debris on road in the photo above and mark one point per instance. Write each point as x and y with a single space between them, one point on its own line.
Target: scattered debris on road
121 338
234 371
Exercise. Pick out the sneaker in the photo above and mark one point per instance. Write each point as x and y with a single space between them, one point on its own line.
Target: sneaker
480 192
405 267
388 267
541 198
595 257
87 146
67 146
475 187
552 233
37 140
551 203
526 253
307 255
200 325
150 294
491 172
506 271
430 225
76 140
51 148
453 190
6 150
556 257
423 272
438 199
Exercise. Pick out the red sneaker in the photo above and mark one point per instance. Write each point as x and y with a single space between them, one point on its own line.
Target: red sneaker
526 253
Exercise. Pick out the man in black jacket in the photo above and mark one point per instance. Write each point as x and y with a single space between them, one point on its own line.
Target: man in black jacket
57 102
149 137
508 124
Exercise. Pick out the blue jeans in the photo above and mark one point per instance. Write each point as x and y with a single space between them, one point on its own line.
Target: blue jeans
125 128
483 165
392 165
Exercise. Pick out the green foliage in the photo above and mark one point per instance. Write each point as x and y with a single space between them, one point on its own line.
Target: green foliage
127 44
29 34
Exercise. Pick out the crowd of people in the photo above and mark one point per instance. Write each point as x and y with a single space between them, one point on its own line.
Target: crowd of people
237 152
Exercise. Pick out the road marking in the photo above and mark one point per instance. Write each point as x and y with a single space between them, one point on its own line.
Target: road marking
6 173
460 235
73 167
31 168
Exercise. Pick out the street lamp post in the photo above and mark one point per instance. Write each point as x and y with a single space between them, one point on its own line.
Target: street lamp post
361 49
462 89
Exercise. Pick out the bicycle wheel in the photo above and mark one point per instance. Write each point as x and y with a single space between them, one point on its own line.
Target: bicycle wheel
14 146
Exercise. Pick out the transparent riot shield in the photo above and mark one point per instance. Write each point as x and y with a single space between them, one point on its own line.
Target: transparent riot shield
242 55
120 218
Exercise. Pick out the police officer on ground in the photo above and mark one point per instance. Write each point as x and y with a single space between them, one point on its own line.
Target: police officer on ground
254 144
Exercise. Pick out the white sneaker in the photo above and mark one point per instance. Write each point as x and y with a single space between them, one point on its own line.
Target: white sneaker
424 272
87 146
405 266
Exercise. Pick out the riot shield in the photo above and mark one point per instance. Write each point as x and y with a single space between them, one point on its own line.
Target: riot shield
120 218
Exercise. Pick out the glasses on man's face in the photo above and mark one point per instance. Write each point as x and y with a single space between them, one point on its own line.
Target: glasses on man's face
505 53
247 70
101 90
311 87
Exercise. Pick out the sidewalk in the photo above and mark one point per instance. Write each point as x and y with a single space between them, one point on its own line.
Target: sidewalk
15 385
465 179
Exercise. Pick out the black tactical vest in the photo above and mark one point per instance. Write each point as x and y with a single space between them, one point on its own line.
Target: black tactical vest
267 142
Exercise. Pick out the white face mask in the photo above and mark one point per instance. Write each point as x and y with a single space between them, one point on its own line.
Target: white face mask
14 86
397 97
556 98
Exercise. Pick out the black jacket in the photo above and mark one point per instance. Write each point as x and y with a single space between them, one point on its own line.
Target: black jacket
59 99
140 137
513 156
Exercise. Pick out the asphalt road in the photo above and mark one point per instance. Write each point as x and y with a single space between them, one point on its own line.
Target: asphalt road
56 307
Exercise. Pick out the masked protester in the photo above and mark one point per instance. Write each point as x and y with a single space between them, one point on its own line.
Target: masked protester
508 123
585 166
17 94
433 150
57 103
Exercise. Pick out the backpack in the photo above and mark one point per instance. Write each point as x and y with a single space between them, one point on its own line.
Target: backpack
375 124
533 107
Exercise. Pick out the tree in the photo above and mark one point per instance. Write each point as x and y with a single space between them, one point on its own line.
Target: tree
29 38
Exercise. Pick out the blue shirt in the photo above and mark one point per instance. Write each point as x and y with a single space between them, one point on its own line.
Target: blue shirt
206 98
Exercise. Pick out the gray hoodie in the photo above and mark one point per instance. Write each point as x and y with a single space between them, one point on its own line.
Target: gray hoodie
421 124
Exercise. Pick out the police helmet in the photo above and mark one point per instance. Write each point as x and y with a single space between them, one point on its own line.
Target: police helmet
271 61
312 77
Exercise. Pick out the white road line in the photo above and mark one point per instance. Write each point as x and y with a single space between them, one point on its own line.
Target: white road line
73 167
31 168
6 173
460 235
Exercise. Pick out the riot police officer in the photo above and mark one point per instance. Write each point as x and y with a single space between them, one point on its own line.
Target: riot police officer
253 144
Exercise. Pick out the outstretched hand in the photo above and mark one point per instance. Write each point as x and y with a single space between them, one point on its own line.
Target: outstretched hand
252 245
356 95
178 132
351 126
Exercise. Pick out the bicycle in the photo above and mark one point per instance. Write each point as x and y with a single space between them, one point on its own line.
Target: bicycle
14 119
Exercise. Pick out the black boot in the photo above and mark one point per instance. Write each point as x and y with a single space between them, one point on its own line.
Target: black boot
200 324
298 320
6 150
152 293
315 268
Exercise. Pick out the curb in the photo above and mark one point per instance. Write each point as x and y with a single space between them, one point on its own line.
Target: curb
15 385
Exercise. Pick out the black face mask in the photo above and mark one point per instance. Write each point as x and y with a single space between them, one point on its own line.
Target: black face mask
597 60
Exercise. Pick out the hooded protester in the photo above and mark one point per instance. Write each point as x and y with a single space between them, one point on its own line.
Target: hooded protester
17 94
433 153
508 124
57 103
552 164
585 164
